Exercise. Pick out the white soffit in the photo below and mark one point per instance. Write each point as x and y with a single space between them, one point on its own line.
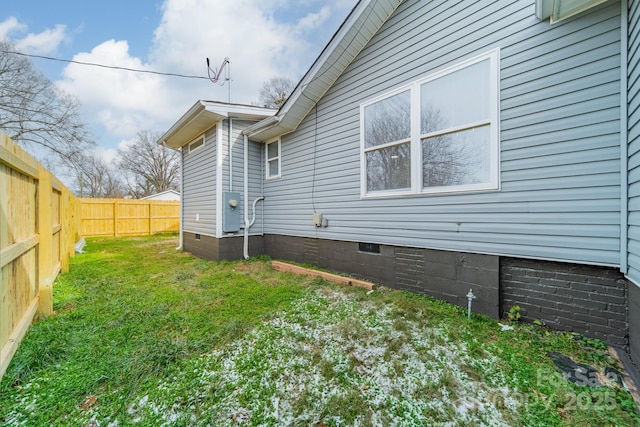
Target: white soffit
557 10
205 114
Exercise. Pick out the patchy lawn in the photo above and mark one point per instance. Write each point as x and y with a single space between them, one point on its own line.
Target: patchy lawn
144 335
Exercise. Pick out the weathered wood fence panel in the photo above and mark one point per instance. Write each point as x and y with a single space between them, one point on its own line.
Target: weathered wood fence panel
38 229
123 217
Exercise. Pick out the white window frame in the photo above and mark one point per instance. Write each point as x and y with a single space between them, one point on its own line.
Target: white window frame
196 141
416 138
268 160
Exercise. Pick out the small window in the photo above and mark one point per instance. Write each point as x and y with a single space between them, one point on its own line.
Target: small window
273 159
196 144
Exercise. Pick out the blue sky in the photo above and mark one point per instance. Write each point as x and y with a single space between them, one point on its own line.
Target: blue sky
263 39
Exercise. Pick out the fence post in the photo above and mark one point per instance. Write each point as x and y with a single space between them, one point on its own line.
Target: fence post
72 203
45 226
77 223
65 231
150 218
115 218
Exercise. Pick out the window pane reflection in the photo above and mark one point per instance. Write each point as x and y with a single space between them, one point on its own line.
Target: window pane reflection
455 99
458 158
389 168
388 120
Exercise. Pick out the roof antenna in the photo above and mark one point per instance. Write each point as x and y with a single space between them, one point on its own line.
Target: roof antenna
218 72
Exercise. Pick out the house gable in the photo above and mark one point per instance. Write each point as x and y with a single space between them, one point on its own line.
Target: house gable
363 22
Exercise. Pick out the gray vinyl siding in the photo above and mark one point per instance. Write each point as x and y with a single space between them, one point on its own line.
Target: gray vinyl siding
236 183
256 175
199 187
255 172
634 142
559 144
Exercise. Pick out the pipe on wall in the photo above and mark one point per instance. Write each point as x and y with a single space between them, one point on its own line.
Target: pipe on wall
247 226
624 149
181 239
247 223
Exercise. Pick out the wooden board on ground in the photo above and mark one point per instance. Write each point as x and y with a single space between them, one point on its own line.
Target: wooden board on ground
290 268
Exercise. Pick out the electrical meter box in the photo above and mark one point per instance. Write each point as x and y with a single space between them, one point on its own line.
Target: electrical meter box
231 212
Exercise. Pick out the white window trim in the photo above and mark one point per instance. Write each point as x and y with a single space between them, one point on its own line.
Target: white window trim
195 141
416 159
267 159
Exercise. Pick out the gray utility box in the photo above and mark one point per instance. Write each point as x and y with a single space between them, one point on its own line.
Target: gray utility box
231 212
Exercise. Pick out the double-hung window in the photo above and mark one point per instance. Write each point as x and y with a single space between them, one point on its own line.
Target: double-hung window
273 159
436 135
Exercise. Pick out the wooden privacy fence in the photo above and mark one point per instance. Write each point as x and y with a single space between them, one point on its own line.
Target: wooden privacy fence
39 223
122 217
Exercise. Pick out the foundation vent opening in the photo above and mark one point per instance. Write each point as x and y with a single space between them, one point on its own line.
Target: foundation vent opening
372 248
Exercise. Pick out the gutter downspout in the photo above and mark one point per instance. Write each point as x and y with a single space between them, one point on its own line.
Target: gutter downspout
266 123
181 240
247 223
624 148
219 168
245 245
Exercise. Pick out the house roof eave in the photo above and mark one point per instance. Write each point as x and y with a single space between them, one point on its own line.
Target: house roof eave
174 192
188 127
364 21
558 10
204 114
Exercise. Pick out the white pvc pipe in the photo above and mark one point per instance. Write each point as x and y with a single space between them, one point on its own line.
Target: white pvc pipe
246 228
246 197
181 241
247 223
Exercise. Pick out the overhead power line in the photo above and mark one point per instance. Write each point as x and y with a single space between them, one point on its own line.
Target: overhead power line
112 67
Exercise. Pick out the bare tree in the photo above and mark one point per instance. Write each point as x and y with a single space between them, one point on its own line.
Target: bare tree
275 91
150 167
33 112
98 178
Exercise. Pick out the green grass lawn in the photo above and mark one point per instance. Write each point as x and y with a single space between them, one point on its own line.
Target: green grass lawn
144 335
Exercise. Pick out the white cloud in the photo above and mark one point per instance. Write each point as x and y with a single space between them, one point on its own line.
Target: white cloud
10 26
44 42
126 143
314 20
106 154
122 102
259 45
